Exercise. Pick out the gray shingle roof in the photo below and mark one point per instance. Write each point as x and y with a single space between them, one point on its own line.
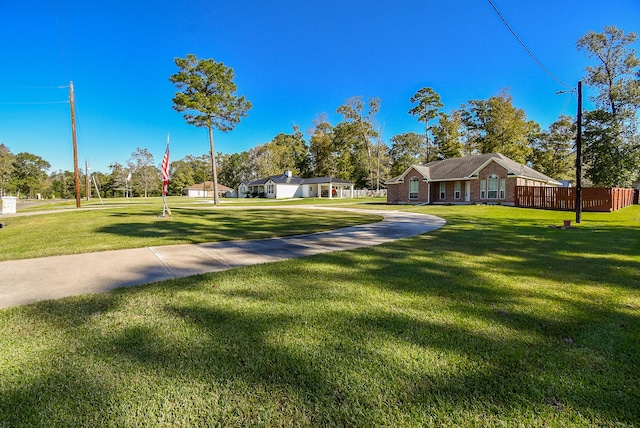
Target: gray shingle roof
278 179
284 179
465 167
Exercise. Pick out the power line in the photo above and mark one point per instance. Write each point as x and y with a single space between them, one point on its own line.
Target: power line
34 87
525 46
34 103
61 25
567 103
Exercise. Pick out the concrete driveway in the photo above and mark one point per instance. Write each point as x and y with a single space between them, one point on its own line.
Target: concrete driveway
32 280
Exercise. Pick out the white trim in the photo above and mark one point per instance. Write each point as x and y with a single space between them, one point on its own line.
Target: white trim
511 172
490 179
416 180
400 179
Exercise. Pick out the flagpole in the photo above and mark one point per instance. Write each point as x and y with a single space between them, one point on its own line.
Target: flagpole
165 179
127 189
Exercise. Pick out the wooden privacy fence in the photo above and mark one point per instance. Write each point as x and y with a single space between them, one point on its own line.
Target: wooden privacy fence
564 198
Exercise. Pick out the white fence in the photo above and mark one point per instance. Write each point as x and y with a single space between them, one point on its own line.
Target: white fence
366 193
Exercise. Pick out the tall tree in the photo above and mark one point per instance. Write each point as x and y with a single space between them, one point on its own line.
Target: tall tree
447 136
351 161
552 152
353 110
406 149
6 167
427 108
611 154
271 159
612 143
181 176
207 94
321 147
382 161
297 151
63 184
145 174
117 180
615 73
29 173
285 152
495 125
235 169
200 167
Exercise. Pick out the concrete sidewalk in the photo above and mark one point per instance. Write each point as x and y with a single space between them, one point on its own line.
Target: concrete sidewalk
32 280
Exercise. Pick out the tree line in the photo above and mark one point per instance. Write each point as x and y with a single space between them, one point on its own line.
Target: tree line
354 149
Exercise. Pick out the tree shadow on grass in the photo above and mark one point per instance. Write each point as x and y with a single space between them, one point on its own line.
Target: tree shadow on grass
381 336
580 355
197 226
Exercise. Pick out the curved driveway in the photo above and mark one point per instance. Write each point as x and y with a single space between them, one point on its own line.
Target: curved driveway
32 280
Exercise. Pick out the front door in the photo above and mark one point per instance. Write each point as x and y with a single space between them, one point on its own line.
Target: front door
467 191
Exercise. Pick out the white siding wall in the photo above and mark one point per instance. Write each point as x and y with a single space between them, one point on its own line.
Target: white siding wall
284 191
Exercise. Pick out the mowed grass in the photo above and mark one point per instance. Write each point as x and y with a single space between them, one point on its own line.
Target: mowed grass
494 320
134 225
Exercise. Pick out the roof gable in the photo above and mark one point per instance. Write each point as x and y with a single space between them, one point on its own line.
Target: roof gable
516 169
468 167
420 169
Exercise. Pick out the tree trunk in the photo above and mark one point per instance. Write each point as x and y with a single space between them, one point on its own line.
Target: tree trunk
214 175
366 142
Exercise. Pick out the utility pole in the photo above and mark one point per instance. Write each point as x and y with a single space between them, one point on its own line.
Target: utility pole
87 182
579 157
76 175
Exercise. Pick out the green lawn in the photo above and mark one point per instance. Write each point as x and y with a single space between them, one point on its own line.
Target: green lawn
496 319
123 224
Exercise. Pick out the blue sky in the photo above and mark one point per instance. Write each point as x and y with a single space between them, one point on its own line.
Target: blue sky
292 60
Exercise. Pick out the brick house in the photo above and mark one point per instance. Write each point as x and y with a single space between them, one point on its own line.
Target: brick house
488 178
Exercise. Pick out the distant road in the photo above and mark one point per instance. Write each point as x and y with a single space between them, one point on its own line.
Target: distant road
27 203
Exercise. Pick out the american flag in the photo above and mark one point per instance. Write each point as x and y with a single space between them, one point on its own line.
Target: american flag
165 169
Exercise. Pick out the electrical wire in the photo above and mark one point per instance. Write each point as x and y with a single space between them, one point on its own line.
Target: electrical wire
34 87
61 25
567 103
33 103
525 46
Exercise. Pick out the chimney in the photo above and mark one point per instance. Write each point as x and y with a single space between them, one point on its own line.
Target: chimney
288 173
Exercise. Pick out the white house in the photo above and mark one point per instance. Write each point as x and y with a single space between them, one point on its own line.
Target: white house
205 190
286 186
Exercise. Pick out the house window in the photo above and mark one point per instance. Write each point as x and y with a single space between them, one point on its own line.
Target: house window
443 190
413 188
483 189
270 189
492 187
502 188
456 190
